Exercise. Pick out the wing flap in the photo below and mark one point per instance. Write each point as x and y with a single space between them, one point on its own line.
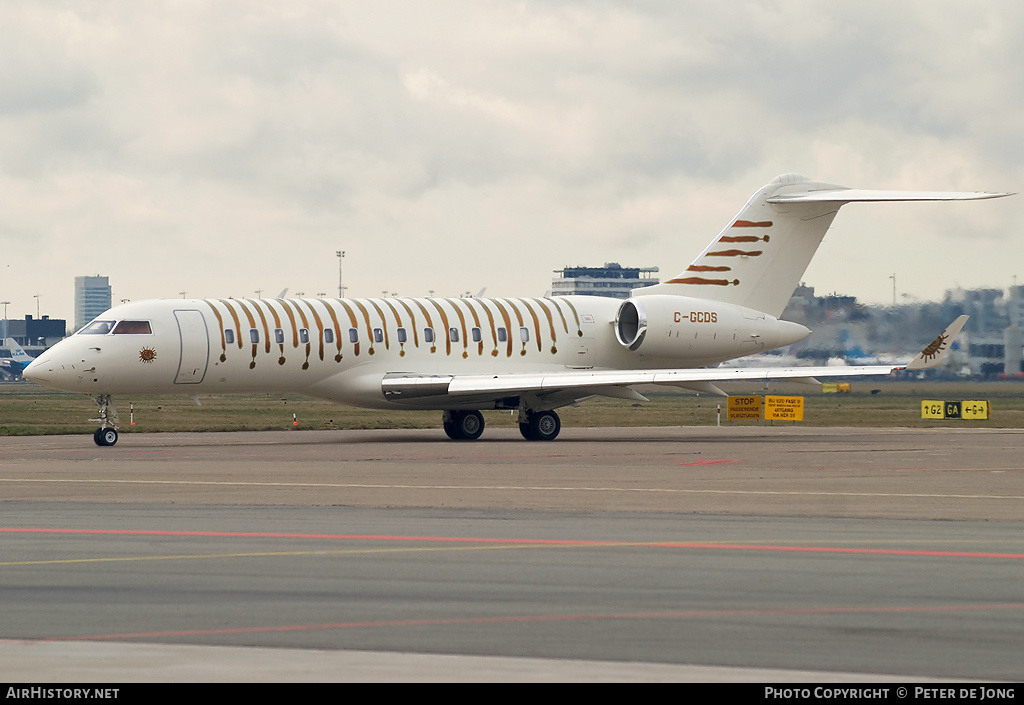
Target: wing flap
515 384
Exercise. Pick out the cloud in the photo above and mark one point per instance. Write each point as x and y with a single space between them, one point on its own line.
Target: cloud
224 147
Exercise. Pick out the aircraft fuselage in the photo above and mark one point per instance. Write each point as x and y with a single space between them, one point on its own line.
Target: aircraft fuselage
341 349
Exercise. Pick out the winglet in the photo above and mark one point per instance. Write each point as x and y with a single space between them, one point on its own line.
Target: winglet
935 353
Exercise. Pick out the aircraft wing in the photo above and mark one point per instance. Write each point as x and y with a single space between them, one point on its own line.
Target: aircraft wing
603 382
576 383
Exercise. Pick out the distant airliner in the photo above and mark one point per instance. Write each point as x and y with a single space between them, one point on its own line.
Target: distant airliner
463 355
14 365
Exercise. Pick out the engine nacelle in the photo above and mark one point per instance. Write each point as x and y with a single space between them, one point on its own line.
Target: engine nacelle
684 327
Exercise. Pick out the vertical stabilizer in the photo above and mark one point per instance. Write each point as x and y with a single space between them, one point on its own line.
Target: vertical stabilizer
758 259
761 255
17 353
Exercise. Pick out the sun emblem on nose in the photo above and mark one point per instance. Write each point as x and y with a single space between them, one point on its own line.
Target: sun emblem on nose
147 354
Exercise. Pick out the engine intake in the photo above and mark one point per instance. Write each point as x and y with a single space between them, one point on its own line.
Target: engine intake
631 324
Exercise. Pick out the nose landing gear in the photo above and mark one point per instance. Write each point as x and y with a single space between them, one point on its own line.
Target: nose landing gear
106 434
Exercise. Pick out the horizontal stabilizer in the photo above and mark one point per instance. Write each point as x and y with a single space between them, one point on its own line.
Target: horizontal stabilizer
850 195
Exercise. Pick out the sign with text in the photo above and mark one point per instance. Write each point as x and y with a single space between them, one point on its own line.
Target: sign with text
975 410
784 408
744 408
980 410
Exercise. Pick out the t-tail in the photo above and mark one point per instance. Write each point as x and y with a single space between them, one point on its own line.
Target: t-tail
759 258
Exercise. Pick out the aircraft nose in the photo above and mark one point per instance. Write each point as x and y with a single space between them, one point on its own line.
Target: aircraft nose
38 371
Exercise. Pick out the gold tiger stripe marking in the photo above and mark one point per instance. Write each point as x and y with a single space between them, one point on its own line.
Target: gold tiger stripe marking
238 323
353 322
490 317
252 326
508 325
291 318
551 325
319 325
305 326
398 320
369 326
263 320
412 318
383 324
462 322
536 323
444 320
337 327
220 324
468 303
277 326
430 322
565 324
519 317
576 315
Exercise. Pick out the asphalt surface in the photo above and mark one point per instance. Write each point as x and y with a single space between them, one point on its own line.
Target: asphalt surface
679 554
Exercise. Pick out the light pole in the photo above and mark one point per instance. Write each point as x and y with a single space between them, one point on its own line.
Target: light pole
5 304
341 287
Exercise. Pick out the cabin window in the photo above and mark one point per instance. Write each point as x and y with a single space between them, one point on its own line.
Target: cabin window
402 336
477 337
133 328
254 336
229 336
428 335
353 335
524 334
303 335
279 336
378 335
502 335
97 328
328 335
453 335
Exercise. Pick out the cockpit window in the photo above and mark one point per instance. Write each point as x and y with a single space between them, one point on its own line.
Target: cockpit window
133 328
97 328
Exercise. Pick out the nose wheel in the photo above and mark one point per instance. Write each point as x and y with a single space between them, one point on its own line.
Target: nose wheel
105 436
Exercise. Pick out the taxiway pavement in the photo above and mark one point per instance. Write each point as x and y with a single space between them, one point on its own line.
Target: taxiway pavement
759 553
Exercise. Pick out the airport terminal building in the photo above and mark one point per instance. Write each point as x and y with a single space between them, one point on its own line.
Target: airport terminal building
611 280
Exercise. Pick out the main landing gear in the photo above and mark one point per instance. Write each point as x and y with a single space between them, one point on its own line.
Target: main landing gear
106 434
539 425
463 425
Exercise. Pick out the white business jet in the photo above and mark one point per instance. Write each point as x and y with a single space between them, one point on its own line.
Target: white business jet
463 355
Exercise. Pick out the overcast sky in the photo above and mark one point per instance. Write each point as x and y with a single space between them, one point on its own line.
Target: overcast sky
224 148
